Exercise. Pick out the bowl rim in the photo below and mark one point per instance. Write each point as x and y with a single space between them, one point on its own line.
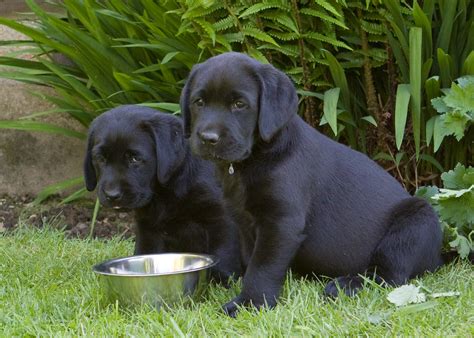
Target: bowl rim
214 261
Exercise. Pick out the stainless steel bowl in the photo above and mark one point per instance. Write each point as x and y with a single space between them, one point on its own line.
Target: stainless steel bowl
155 279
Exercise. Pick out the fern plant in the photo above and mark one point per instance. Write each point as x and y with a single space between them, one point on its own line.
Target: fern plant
356 69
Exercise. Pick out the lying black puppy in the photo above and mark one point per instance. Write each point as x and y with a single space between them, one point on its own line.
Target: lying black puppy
303 200
142 162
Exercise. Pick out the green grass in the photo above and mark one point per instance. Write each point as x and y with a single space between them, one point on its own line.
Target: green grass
47 288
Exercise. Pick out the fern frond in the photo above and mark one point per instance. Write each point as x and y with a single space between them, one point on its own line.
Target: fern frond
288 50
258 34
256 54
377 38
207 27
323 16
327 39
261 6
234 37
284 36
294 71
372 28
197 12
225 23
283 19
224 42
327 6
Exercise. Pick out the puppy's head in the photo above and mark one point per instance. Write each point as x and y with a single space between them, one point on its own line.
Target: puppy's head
131 150
230 100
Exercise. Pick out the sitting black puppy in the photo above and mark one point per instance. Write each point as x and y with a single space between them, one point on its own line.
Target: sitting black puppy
303 200
140 160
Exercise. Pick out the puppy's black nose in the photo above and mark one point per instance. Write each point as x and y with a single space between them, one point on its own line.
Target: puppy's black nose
112 194
209 137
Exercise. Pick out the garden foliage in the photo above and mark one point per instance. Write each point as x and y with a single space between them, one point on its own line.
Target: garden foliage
389 78
455 206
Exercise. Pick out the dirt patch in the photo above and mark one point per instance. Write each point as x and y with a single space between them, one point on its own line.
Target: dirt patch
74 219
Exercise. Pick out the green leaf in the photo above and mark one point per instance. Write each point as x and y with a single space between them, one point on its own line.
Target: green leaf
415 38
439 104
445 67
422 21
427 192
327 6
398 158
323 16
340 80
208 29
462 245
445 294
458 178
261 6
74 196
28 125
430 129
456 206
331 98
456 122
405 295
327 39
171 107
168 57
468 66
439 132
383 156
448 12
259 35
401 112
461 98
57 188
417 307
432 160
370 119
432 90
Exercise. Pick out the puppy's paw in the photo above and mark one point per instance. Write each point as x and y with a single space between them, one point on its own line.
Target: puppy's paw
232 307
350 285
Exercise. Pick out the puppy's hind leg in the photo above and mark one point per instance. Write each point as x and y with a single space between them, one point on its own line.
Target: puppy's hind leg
412 244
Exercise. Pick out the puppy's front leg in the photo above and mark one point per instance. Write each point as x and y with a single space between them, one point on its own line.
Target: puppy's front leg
275 247
148 241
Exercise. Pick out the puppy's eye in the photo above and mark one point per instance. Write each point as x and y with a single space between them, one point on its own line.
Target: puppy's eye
100 159
133 159
238 104
199 102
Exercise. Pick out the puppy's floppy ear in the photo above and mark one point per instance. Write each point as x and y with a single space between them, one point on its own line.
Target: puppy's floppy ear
89 170
170 148
184 101
278 101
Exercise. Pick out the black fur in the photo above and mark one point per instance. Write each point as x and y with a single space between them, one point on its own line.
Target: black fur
302 200
140 154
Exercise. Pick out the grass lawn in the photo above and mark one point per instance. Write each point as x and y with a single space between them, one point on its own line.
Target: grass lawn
47 288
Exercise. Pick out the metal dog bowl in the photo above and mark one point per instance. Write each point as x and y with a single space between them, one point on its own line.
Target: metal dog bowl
155 279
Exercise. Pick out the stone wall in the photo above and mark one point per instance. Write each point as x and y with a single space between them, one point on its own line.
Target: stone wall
31 160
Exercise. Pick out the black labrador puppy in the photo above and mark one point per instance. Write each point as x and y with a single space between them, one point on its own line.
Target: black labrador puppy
139 160
302 200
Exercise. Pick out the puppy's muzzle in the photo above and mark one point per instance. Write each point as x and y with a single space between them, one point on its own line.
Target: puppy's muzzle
112 195
209 137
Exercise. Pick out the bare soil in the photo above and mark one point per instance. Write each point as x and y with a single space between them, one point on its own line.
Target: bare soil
74 218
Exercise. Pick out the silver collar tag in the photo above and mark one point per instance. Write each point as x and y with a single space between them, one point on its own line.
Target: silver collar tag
231 169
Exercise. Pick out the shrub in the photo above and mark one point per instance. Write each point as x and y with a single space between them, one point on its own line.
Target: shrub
455 206
362 67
